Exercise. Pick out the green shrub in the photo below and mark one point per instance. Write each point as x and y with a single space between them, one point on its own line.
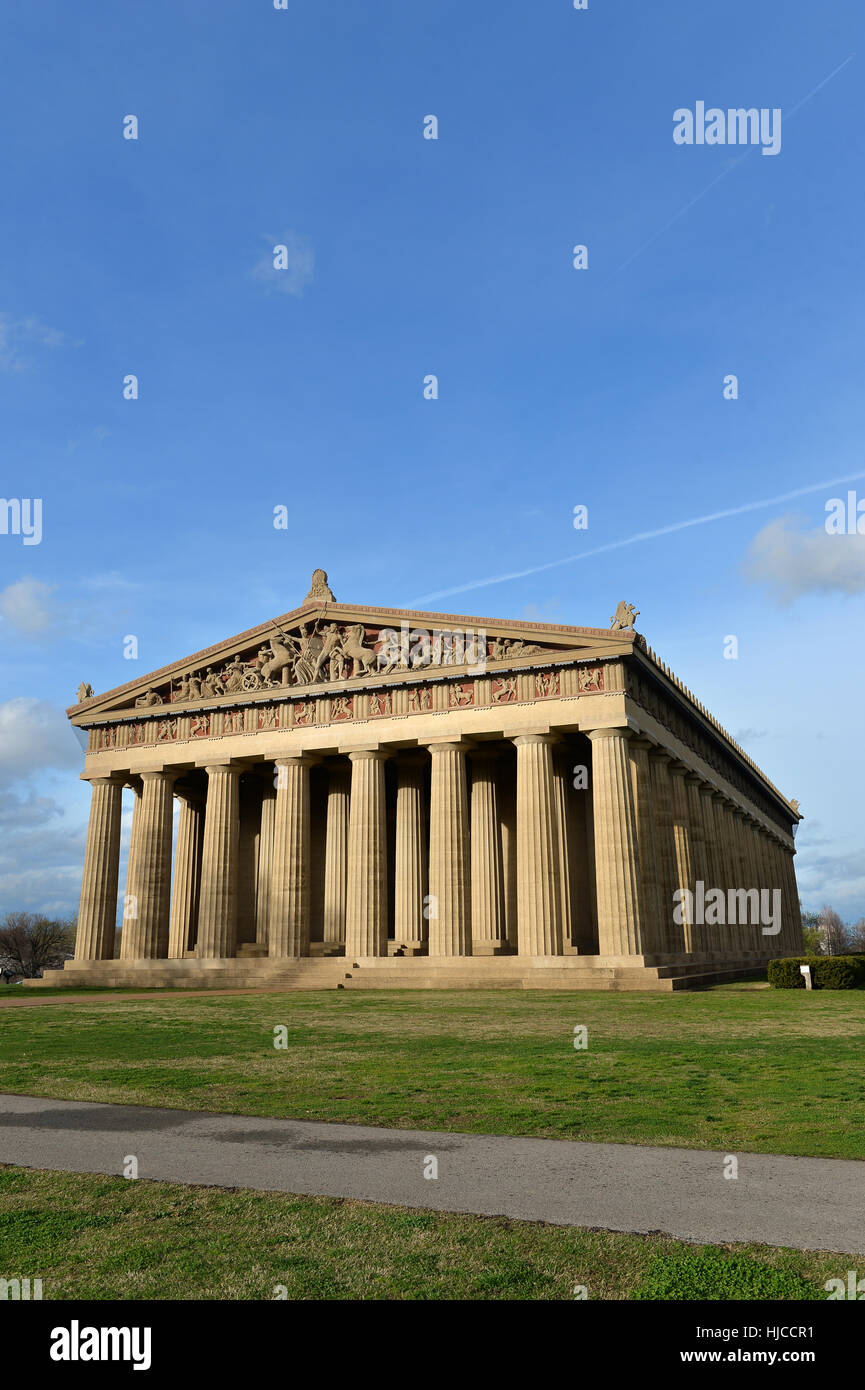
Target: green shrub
712 1274
827 972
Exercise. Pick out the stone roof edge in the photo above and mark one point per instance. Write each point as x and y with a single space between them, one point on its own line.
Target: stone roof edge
662 666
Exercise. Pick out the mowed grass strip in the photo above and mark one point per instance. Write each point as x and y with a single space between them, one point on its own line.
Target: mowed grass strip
90 1237
760 1071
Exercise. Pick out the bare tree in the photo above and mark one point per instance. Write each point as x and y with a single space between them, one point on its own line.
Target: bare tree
31 943
833 932
856 936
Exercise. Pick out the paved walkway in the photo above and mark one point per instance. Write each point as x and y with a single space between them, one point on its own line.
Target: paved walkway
808 1203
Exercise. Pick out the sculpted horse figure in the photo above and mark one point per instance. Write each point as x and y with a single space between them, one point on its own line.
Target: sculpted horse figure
354 649
282 656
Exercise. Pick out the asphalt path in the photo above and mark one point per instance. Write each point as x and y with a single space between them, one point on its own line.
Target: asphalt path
807 1203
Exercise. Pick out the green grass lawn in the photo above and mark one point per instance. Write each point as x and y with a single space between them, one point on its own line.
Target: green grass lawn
737 1070
91 1237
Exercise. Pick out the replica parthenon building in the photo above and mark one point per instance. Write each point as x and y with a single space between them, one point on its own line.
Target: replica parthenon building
368 797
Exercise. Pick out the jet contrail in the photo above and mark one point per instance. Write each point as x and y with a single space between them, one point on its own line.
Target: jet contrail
633 540
723 174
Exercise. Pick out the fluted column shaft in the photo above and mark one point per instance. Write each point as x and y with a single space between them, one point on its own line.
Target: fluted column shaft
366 906
410 868
97 912
289 911
540 930
265 860
488 915
794 940
186 885
662 797
217 913
701 864
562 795
336 855
683 854
656 909
621 915
449 869
145 935
746 938
726 936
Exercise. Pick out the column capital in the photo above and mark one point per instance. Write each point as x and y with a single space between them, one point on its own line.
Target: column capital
298 759
610 731
167 774
117 780
658 751
213 768
522 740
445 744
359 755
643 743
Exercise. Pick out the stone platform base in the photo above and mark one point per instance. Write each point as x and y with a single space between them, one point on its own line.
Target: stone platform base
654 973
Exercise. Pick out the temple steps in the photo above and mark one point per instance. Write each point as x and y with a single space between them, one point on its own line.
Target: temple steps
659 974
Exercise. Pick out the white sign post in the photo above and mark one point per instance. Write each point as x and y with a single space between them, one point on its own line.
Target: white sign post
806 971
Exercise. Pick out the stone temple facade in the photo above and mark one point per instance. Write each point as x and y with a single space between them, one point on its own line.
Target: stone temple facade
365 797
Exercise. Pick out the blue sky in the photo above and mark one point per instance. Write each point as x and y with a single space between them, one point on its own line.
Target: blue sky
407 257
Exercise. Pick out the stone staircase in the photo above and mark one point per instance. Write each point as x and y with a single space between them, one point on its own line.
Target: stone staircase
251 969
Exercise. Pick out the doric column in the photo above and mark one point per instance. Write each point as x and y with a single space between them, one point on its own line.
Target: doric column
145 935
366 905
449 871
562 821
130 897
97 913
582 875
186 884
249 811
289 916
264 872
701 863
621 917
668 879
683 854
713 867
657 910
336 854
794 937
507 799
745 939
539 887
488 916
751 849
726 936
782 943
410 867
217 912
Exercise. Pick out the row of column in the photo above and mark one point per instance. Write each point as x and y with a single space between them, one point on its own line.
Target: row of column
449 890
662 829
658 827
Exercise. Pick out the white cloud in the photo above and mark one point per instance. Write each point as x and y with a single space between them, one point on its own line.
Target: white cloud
34 735
299 267
26 606
791 562
16 334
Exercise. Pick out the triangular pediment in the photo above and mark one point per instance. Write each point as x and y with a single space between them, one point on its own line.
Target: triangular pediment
324 644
